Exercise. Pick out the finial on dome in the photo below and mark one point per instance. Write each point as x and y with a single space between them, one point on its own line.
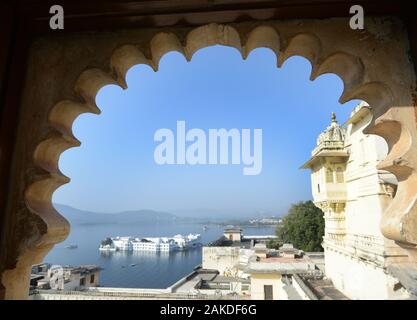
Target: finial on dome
333 133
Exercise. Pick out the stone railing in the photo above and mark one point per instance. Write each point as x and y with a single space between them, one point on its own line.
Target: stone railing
366 242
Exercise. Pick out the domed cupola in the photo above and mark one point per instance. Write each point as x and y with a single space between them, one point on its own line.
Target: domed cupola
330 143
334 133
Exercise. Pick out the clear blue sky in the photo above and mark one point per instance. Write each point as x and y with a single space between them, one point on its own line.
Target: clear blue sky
114 169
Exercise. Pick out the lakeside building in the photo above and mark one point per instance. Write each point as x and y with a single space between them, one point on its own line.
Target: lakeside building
352 192
287 273
264 277
233 234
265 221
232 270
230 250
64 278
271 275
151 244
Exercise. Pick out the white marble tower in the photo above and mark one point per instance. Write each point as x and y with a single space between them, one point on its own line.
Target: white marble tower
352 193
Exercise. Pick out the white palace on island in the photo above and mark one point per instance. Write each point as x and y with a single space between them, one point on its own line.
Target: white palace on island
155 244
353 193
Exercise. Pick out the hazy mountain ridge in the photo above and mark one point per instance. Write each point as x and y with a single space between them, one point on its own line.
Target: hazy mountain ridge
83 217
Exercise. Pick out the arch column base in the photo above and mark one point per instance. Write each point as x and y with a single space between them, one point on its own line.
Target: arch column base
15 282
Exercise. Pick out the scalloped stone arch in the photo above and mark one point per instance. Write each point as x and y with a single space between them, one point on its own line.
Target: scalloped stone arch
390 100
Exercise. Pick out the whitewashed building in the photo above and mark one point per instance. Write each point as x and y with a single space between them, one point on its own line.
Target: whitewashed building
353 193
152 244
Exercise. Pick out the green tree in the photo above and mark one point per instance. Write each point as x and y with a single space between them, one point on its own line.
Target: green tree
303 227
107 241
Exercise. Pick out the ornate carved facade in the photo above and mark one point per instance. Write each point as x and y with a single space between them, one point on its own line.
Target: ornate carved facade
353 194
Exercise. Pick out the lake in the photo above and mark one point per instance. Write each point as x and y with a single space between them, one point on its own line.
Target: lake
152 270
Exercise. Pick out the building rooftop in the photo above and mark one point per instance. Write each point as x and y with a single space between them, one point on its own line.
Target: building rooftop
279 259
324 289
223 279
358 113
232 230
288 247
224 242
260 247
83 269
282 265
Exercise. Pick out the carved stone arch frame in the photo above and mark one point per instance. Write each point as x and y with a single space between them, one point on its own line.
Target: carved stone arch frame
66 72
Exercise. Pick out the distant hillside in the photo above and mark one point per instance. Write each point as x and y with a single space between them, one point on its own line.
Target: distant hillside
81 217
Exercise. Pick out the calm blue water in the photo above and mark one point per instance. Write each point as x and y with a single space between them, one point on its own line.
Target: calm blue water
151 270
